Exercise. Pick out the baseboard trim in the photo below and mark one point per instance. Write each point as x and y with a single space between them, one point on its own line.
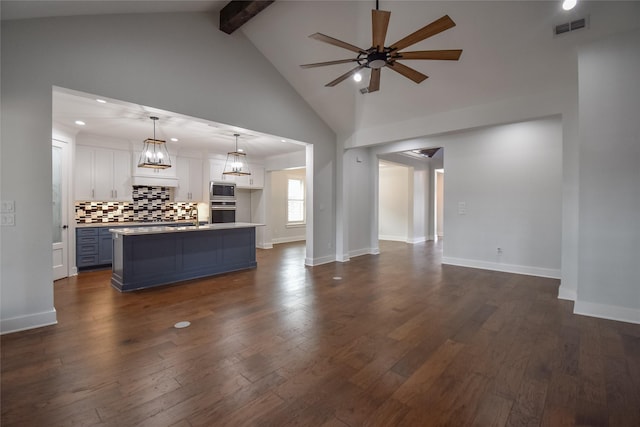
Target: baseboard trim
605 311
29 321
312 262
360 252
393 238
507 268
567 294
343 258
264 246
417 240
277 240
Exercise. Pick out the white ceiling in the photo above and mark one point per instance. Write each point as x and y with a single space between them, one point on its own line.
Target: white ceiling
509 50
129 122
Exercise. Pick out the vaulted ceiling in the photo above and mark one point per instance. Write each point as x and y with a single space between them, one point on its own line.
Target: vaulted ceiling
509 49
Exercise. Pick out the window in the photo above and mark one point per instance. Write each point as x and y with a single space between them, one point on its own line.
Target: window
295 201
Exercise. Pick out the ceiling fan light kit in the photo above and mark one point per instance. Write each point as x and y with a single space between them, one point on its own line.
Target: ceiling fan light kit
154 152
379 56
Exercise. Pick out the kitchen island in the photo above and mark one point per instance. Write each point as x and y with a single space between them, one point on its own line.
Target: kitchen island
145 257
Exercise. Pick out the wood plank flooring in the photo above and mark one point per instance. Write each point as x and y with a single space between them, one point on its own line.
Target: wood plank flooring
399 339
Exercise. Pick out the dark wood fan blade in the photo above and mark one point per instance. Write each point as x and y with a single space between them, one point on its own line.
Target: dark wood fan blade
344 76
425 32
444 55
408 72
324 38
379 24
374 82
322 64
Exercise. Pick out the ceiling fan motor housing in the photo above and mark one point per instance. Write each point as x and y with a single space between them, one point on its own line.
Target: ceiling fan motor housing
377 59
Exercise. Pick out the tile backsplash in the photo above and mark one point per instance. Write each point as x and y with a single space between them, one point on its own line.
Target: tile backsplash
149 204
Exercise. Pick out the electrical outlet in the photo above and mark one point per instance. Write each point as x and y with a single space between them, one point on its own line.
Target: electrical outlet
499 250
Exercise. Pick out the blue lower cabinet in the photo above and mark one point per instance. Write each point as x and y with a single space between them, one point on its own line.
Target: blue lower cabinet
105 249
86 247
94 247
148 260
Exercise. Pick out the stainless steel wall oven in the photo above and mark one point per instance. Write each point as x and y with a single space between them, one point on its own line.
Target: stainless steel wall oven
222 200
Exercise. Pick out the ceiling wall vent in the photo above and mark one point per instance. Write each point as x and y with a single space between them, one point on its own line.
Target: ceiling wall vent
571 26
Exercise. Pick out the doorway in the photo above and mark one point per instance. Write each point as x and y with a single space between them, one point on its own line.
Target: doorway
60 182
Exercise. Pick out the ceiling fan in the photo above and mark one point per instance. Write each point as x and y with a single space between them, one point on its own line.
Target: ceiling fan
379 55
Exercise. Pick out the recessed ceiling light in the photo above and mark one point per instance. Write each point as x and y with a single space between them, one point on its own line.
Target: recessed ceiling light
80 123
357 77
101 101
569 4
174 139
283 140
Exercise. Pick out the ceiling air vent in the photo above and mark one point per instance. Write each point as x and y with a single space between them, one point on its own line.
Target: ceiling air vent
571 26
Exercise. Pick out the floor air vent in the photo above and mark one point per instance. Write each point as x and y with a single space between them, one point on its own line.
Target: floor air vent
570 26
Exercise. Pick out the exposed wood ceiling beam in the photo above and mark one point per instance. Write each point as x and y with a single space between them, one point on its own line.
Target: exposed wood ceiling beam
237 12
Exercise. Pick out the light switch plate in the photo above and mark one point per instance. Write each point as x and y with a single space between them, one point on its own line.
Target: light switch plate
8 219
462 208
7 206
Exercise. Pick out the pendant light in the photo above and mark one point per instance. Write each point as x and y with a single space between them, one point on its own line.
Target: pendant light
236 163
154 152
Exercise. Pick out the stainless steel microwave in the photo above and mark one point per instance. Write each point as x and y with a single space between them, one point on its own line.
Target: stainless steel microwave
222 190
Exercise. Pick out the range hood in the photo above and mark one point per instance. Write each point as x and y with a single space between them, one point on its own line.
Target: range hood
154 181
153 177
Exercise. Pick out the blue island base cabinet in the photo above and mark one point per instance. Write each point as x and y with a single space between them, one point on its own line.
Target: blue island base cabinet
147 260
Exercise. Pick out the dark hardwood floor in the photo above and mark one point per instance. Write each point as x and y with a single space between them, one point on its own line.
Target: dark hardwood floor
398 340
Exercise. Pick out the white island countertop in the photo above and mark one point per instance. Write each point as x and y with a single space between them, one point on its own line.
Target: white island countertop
160 229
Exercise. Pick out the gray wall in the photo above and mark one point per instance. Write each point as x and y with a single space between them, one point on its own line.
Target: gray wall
358 171
504 190
510 178
176 62
609 258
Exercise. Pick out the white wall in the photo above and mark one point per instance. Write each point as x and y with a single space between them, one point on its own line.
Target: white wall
609 257
395 192
280 232
136 59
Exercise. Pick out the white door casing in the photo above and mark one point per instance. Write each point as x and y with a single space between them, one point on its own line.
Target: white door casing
60 182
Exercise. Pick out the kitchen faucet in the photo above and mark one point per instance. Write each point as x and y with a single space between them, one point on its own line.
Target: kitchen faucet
197 216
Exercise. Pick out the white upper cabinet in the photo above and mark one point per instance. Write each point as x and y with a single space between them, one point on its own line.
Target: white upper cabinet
253 181
256 180
190 180
216 167
102 174
84 173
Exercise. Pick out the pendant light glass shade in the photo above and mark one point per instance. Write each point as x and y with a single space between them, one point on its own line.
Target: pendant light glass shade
236 163
154 152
